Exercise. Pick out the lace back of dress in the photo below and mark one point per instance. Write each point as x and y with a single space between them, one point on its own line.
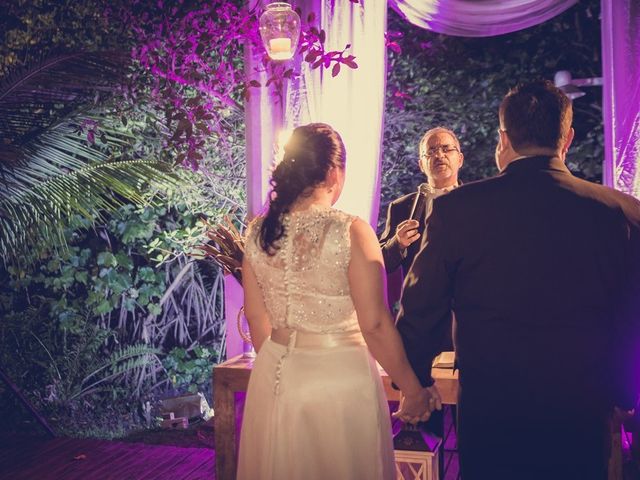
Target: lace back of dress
305 284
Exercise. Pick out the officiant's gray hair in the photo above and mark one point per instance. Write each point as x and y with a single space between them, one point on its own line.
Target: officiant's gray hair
422 146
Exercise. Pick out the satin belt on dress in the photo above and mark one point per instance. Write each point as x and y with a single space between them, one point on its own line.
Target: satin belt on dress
300 339
293 339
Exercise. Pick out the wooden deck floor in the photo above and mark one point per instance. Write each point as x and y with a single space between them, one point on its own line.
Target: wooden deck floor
85 459
74 459
32 458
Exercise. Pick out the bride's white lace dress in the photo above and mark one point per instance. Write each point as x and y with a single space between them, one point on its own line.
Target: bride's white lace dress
315 409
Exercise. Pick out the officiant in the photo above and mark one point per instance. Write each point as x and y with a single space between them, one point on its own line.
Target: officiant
440 159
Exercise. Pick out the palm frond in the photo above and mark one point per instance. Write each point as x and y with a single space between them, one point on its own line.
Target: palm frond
33 99
50 172
46 209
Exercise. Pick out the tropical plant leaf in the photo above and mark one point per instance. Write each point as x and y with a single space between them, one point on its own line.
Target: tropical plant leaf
33 99
47 208
56 160
130 359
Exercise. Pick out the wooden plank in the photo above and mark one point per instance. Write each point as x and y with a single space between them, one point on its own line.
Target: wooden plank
9 447
158 459
174 463
202 471
104 460
225 384
80 459
27 457
54 463
135 465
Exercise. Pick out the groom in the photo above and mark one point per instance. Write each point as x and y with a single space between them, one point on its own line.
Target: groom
543 272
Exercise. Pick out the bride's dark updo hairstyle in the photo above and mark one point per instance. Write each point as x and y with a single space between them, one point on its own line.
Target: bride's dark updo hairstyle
308 155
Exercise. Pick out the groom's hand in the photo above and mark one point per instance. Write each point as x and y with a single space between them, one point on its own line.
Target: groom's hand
418 406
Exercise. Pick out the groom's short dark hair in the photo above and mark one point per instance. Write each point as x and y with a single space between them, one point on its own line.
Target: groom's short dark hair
536 114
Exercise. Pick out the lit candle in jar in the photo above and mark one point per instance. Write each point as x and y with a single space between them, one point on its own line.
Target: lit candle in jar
280 48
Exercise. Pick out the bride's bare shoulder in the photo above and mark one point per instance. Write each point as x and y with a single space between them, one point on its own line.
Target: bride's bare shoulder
361 232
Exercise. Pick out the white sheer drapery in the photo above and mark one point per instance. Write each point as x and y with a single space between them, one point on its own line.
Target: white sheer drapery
478 18
353 101
621 95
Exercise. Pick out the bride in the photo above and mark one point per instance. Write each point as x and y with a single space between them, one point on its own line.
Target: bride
313 285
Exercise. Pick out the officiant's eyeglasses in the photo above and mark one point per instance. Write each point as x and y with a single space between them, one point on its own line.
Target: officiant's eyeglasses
445 149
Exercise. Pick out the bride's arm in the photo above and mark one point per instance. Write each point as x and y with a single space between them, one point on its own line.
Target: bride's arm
254 307
366 282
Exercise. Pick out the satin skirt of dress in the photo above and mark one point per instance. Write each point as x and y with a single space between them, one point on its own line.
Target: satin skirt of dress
315 413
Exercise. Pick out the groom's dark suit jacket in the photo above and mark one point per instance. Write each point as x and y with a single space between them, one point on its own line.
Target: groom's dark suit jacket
543 272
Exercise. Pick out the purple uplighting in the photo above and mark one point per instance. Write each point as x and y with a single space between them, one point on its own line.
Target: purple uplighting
181 179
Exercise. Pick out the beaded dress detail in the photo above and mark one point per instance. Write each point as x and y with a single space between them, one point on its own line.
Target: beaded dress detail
305 283
315 408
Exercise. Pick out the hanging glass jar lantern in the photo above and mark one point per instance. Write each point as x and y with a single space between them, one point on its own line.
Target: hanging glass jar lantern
280 30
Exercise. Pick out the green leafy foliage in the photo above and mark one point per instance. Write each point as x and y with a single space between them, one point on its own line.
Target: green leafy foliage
95 290
93 324
30 29
62 156
190 370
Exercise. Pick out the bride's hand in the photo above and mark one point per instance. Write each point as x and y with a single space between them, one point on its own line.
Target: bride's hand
417 407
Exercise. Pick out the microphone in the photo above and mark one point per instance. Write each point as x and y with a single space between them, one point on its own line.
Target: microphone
417 210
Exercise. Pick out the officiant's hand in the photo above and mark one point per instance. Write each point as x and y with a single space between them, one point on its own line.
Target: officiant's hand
417 407
407 233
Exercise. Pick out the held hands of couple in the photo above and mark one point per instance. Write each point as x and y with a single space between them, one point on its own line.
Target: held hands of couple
417 407
407 233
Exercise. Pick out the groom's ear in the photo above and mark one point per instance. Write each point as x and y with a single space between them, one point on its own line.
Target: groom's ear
569 139
504 139
505 143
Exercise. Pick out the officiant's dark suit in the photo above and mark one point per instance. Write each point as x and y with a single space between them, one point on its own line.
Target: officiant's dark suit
399 210
440 159
542 270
